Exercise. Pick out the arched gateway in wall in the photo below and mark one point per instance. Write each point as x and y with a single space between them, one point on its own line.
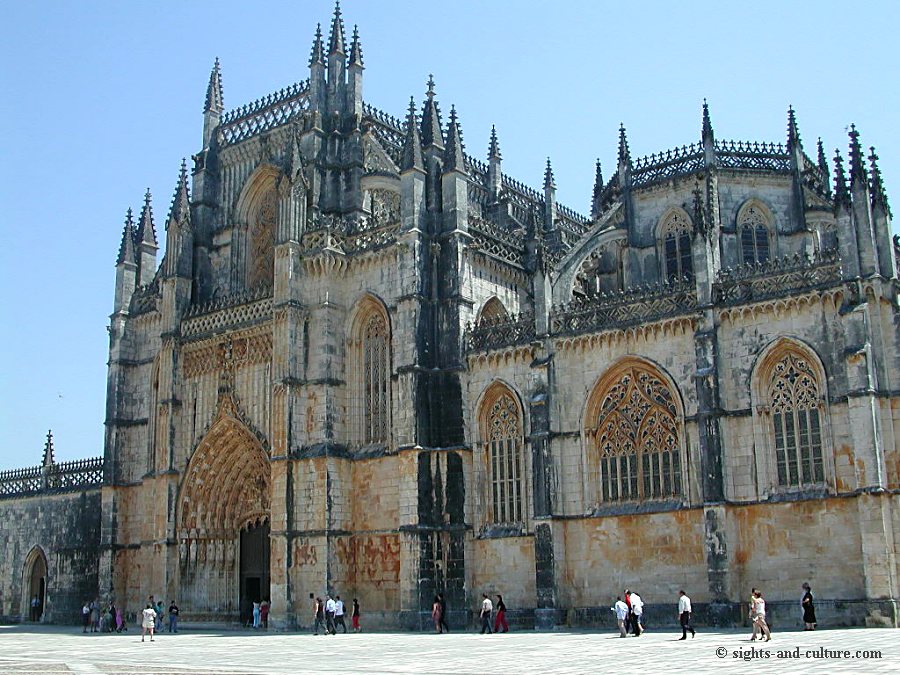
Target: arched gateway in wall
223 522
35 584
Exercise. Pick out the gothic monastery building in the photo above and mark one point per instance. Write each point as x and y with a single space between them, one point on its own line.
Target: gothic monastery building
371 363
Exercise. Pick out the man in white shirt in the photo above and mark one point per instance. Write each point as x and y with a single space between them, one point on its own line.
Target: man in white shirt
339 614
637 608
684 615
621 610
487 608
329 615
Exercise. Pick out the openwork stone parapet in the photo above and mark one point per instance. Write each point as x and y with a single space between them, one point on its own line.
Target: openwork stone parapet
80 474
500 332
777 278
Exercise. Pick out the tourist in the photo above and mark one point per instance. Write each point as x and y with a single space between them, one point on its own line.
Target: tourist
319 615
85 617
809 609
621 610
264 607
329 615
684 615
35 604
355 616
110 617
444 625
148 621
256 613
500 620
436 614
759 612
637 609
629 620
486 609
120 620
339 614
95 616
173 617
752 614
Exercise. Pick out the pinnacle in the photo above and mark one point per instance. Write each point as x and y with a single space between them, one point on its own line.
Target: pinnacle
356 55
412 145
707 130
126 247
857 168
624 152
598 189
454 159
214 98
793 132
317 53
146 231
49 458
879 196
494 147
336 38
431 119
841 195
181 201
549 180
823 163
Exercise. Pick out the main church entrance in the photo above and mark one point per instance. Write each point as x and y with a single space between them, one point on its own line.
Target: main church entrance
223 523
254 568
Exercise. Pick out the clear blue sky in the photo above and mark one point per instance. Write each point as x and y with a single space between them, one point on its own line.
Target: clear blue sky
100 100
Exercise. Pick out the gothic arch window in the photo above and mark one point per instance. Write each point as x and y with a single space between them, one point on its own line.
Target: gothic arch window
370 345
600 272
791 385
502 438
753 224
634 435
261 256
675 242
493 312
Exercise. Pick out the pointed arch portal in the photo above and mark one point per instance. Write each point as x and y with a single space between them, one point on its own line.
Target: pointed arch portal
36 582
223 524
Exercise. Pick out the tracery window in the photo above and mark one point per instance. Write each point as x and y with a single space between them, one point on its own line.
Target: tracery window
262 241
375 374
796 421
493 312
636 437
754 232
503 441
676 242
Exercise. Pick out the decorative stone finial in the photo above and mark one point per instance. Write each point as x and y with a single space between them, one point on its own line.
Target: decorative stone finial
412 144
858 177
317 54
126 247
841 195
549 180
454 158
336 38
494 147
356 55
146 230
49 457
215 101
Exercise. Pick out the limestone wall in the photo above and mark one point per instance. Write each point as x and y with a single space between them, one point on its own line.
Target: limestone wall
66 528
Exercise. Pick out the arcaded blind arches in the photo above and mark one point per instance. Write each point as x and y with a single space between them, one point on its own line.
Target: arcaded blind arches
375 374
503 439
636 437
262 241
754 230
676 242
797 421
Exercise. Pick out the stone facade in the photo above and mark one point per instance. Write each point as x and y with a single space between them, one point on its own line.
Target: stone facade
372 364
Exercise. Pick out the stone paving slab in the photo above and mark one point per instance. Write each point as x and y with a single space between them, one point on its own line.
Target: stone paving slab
25 650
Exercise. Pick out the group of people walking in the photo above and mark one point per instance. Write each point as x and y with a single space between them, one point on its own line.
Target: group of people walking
152 617
99 617
629 613
329 614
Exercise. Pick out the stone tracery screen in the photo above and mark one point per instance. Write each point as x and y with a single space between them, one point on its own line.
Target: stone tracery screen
262 241
375 379
797 425
503 439
636 438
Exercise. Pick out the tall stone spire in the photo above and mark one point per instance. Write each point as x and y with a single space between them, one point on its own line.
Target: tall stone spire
598 190
793 132
215 101
454 158
841 194
412 144
879 196
126 247
431 119
48 458
336 37
858 177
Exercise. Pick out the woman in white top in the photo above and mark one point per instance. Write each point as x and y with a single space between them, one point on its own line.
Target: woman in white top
759 615
148 621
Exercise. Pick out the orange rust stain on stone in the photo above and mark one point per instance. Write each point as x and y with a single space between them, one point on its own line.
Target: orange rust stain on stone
305 553
311 412
843 460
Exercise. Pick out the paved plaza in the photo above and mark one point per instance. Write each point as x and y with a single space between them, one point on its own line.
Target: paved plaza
25 650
